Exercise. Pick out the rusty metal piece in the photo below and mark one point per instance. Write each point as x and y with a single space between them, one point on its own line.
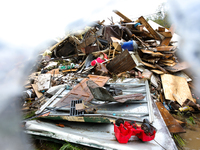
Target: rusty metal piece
121 63
81 91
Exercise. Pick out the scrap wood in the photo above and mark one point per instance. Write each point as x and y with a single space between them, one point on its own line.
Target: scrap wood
165 48
157 71
148 65
149 28
174 85
121 63
156 54
171 123
126 19
178 67
35 88
162 69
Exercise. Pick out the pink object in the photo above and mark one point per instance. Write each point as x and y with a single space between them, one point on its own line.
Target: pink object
98 60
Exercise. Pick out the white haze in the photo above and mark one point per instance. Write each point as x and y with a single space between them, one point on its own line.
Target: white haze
26 27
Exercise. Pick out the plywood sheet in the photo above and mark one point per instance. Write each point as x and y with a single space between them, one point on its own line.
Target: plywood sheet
177 86
171 123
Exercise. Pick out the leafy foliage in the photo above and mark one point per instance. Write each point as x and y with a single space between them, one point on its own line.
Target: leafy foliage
161 17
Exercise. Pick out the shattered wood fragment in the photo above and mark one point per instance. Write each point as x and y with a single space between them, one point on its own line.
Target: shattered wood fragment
176 88
162 69
156 54
85 42
70 70
166 34
149 28
178 67
121 63
148 65
89 49
35 88
165 42
165 48
171 123
157 71
126 19
151 60
161 29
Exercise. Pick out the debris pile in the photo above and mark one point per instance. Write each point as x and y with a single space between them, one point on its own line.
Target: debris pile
102 73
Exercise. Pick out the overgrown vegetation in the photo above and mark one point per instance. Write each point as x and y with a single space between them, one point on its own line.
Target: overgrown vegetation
68 146
161 17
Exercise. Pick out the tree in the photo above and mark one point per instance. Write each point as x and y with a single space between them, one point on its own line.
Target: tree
161 17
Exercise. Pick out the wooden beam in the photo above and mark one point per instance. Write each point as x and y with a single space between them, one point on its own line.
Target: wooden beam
149 28
126 19
171 123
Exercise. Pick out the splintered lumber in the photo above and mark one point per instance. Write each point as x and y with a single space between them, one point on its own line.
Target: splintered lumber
157 71
176 88
156 54
35 88
178 67
149 28
171 123
91 39
164 48
126 19
166 41
121 63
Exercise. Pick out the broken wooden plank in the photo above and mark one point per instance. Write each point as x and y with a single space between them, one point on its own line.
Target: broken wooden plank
171 123
85 42
166 34
177 86
178 67
162 69
149 28
35 88
148 65
121 63
155 54
165 48
157 71
166 41
126 19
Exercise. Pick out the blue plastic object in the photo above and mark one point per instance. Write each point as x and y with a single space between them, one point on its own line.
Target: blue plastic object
128 46
137 24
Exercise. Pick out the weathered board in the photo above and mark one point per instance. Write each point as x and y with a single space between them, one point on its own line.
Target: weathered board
149 28
121 63
178 67
177 86
35 88
171 123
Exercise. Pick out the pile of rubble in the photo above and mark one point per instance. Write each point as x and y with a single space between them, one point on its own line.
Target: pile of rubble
95 74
